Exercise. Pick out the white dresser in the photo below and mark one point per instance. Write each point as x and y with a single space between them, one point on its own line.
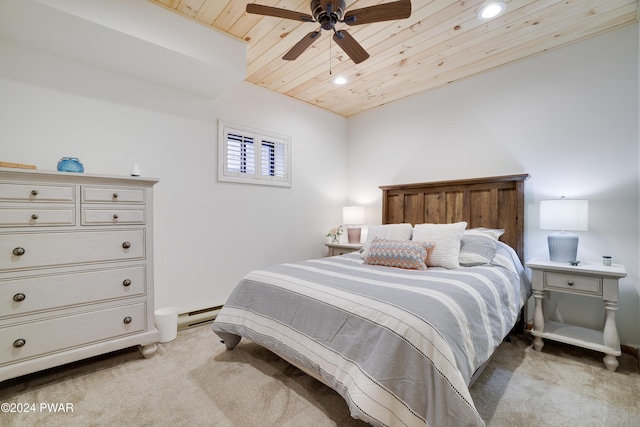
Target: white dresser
76 268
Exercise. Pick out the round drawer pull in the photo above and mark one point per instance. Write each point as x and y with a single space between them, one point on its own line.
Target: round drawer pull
115 216
126 282
34 216
20 342
127 320
19 297
34 192
115 195
18 251
126 245
570 283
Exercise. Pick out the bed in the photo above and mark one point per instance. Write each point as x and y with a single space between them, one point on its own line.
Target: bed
402 343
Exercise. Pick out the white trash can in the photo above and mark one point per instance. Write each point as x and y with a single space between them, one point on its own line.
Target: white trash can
167 323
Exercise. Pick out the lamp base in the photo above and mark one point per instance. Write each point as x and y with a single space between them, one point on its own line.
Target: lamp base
563 247
353 233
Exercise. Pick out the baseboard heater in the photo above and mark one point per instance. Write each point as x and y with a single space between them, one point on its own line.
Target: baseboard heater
198 317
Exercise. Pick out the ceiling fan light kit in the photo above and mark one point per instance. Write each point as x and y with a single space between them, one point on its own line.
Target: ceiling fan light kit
328 13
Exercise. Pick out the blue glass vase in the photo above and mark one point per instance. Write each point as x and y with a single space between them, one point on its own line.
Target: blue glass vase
70 164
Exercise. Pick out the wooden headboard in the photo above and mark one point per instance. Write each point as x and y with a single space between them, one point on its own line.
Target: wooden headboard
494 202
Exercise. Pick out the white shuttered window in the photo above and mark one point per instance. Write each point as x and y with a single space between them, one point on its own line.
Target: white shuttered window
253 156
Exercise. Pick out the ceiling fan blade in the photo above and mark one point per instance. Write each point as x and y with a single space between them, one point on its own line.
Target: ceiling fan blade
259 9
350 46
382 12
301 46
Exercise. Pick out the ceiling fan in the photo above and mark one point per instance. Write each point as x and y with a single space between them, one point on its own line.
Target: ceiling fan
328 13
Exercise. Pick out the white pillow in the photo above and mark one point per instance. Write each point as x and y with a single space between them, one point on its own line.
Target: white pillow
445 239
386 231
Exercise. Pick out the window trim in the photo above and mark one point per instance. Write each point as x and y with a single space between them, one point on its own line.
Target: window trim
259 139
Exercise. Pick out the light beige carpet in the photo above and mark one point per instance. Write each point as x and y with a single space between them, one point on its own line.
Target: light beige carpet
194 381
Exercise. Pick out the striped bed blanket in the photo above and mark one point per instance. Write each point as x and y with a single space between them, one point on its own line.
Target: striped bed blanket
400 346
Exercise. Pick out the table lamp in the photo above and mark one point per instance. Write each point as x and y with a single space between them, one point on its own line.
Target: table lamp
353 216
563 215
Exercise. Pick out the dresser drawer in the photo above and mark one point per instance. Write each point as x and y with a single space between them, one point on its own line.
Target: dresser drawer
38 338
112 216
36 193
27 295
575 283
112 195
42 217
32 250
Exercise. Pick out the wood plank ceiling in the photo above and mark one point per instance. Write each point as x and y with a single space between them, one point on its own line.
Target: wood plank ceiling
442 42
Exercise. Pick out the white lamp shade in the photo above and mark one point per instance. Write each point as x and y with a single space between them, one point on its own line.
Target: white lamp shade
564 215
353 215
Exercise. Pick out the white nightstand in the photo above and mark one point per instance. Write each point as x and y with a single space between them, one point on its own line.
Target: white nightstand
343 248
590 279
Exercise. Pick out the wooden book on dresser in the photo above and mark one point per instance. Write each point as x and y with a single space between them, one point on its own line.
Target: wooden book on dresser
76 268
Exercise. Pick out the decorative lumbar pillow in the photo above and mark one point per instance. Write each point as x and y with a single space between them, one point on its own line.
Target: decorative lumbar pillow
478 246
398 253
445 239
386 231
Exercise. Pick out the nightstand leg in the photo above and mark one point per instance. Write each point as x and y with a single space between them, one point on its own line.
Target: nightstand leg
611 362
538 320
611 339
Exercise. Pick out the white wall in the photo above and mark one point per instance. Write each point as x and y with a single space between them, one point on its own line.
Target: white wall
569 118
208 234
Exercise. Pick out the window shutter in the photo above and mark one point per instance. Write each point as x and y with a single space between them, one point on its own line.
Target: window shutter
252 156
273 163
240 154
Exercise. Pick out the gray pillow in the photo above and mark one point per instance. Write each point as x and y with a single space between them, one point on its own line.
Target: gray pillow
478 246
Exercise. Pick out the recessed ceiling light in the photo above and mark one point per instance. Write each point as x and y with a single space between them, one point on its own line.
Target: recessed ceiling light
491 10
339 80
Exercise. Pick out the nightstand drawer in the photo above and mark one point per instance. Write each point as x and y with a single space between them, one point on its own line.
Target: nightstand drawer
573 283
342 248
